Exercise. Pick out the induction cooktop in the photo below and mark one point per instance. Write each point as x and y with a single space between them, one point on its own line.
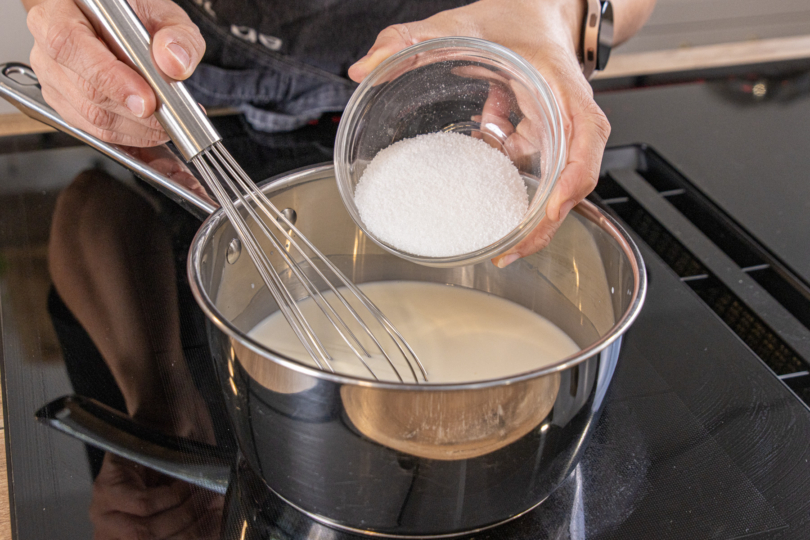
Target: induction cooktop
703 435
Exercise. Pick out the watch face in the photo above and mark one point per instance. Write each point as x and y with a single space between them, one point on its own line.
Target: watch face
605 40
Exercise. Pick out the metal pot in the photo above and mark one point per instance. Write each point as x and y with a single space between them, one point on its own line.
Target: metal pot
406 459
409 459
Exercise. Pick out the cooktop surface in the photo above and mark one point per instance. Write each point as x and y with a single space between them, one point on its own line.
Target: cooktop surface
742 141
699 437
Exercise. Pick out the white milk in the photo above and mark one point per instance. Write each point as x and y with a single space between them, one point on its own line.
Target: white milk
459 334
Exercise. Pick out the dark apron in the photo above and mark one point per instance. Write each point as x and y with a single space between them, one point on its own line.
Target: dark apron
283 64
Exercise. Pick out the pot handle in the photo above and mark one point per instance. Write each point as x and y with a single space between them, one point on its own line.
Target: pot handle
19 86
103 427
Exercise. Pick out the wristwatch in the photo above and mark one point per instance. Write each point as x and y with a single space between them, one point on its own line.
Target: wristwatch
597 36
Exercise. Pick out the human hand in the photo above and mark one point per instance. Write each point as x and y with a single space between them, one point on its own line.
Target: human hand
131 501
92 89
546 33
172 167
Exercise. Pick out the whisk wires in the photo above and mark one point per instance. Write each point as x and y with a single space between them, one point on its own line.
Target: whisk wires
223 174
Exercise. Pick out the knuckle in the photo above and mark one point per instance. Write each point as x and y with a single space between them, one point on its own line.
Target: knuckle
97 116
91 92
401 31
102 78
58 40
35 18
598 119
591 181
602 126
541 241
143 504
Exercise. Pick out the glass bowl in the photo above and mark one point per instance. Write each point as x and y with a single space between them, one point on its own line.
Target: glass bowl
462 85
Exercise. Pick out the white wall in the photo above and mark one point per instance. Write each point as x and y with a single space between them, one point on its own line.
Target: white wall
675 23
15 41
692 23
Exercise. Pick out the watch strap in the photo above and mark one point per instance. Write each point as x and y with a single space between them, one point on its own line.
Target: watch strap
605 35
590 37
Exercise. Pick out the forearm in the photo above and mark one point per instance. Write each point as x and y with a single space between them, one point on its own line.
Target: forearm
628 17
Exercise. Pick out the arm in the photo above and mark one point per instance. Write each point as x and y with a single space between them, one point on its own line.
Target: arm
628 18
547 33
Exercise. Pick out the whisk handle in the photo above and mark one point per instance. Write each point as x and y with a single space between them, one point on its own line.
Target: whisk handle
178 113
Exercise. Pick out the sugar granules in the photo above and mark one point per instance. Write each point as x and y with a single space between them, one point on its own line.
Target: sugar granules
440 195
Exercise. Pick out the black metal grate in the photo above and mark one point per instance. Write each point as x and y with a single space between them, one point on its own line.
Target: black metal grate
663 243
743 321
761 339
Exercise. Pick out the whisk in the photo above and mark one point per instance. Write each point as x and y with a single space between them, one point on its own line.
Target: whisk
199 143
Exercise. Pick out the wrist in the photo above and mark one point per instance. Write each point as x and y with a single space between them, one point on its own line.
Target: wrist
573 17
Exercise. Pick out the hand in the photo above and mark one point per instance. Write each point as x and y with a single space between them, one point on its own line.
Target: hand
93 90
165 162
131 501
546 33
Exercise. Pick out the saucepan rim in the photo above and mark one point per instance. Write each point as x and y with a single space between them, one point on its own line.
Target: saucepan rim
318 172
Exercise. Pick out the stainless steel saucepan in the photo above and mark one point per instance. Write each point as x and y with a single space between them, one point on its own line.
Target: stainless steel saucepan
388 458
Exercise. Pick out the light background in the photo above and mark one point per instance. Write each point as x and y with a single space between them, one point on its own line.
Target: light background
674 24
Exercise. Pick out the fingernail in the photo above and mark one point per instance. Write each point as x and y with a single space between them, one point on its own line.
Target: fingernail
180 54
565 208
506 260
136 105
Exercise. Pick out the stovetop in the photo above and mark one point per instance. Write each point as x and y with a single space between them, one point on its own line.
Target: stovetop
699 437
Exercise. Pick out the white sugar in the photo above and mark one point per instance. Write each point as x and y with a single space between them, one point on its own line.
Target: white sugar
440 195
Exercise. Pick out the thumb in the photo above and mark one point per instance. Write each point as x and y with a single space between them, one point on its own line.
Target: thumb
389 42
177 45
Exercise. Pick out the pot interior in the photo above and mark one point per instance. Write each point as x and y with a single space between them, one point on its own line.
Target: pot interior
585 281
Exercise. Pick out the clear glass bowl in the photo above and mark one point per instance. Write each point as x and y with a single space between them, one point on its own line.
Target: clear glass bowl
463 85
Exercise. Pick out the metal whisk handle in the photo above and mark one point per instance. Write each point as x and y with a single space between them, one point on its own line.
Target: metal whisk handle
178 113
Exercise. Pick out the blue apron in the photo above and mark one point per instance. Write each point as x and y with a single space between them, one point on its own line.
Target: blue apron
283 64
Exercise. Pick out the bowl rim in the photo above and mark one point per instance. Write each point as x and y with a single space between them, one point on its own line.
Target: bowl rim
313 173
354 108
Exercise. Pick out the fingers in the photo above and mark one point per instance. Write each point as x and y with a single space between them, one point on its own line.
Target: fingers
64 34
207 526
590 130
197 517
177 45
389 42
86 84
165 162
534 242
63 91
120 487
131 501
120 525
119 128
537 31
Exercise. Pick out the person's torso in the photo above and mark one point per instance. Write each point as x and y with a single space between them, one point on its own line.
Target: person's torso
283 63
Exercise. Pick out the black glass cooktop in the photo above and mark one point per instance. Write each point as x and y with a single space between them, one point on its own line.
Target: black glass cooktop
699 437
